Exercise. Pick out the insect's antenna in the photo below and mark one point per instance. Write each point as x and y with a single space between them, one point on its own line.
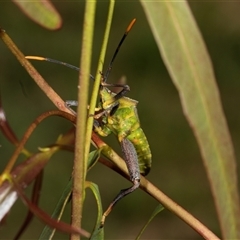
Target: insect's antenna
55 61
117 49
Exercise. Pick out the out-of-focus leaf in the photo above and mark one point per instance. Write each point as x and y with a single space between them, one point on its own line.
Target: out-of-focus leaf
41 12
28 170
190 67
157 210
67 139
98 233
23 175
8 196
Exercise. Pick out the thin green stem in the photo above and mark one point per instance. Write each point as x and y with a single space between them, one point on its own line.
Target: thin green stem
98 78
80 165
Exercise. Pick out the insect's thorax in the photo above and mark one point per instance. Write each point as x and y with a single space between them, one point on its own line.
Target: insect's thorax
122 118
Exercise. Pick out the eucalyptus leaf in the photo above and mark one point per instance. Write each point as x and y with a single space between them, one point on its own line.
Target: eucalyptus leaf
187 60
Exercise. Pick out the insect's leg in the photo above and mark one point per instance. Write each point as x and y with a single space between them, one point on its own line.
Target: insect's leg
74 103
107 110
131 159
71 103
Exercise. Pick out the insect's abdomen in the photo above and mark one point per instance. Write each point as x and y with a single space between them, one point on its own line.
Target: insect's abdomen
141 145
125 124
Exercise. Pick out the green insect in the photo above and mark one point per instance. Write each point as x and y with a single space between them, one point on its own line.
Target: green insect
118 115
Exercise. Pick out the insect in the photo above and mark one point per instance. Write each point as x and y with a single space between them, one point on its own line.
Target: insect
119 116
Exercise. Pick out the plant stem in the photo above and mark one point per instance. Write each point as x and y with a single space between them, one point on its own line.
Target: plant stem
83 137
80 165
98 77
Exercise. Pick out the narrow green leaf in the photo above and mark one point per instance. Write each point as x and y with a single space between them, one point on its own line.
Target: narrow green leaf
41 12
93 158
48 232
189 65
157 210
98 233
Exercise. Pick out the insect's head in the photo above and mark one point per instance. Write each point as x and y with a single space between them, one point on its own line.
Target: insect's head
106 97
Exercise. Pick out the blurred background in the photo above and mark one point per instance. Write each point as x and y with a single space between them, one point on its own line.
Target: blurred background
177 166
